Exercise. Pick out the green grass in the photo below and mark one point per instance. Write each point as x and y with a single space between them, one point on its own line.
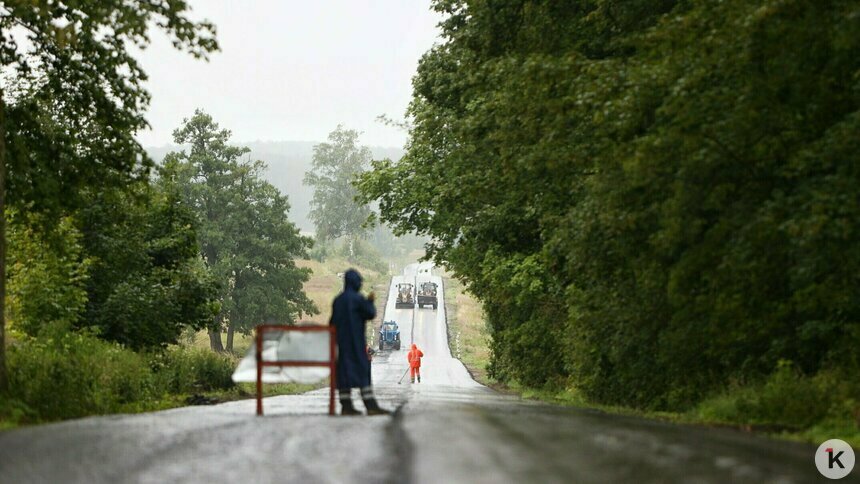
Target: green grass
790 409
466 318
842 427
792 405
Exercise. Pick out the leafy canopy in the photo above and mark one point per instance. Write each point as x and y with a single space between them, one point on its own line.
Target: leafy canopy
653 199
72 99
74 92
336 164
247 239
147 282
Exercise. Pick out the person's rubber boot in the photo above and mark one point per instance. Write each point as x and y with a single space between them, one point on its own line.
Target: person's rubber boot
419 378
347 409
373 408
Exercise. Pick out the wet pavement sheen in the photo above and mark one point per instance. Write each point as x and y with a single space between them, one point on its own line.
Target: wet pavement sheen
448 428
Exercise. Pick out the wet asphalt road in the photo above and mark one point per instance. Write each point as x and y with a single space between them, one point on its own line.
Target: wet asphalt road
447 429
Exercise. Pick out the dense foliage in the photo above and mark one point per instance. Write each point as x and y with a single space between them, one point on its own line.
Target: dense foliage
128 266
653 199
105 269
72 100
246 238
74 95
47 273
146 282
66 374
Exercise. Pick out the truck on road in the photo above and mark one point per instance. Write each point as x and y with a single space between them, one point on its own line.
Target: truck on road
405 298
427 295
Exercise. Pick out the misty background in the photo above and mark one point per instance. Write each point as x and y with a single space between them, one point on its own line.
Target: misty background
287 163
288 73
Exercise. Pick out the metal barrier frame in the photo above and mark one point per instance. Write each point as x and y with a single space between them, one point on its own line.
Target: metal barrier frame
331 364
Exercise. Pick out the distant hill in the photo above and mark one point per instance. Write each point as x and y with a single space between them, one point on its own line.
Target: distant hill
288 161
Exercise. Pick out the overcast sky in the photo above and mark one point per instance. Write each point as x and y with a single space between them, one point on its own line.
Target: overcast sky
292 70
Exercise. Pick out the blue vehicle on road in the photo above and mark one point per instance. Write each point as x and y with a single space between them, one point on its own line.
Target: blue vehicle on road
389 335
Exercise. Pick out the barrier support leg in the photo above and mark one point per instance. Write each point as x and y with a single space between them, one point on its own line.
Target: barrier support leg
259 345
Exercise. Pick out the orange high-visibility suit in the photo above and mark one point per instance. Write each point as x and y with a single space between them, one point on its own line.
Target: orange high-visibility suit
414 358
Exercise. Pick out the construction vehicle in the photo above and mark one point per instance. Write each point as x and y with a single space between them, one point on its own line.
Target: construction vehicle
389 335
427 295
405 298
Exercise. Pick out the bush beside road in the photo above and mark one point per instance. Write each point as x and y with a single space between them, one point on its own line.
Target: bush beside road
75 374
72 375
63 374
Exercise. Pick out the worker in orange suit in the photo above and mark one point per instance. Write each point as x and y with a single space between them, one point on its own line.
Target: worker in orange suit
414 358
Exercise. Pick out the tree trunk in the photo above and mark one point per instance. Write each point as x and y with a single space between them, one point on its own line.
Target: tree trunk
215 340
214 332
215 335
230 331
4 380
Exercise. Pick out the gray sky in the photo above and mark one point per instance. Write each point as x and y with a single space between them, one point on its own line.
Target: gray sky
293 70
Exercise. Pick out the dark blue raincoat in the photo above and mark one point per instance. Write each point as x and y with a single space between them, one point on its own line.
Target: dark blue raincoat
349 314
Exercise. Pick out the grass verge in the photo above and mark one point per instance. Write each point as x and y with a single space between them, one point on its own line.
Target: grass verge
466 324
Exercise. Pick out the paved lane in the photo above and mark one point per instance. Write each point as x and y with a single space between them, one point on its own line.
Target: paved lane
447 429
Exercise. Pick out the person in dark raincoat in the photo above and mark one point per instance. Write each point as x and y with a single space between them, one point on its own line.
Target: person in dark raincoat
349 314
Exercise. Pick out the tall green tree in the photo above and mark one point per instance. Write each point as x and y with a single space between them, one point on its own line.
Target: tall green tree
660 195
247 239
334 209
73 98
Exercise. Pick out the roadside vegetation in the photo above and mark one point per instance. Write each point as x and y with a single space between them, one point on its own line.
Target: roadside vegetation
466 319
655 202
145 294
786 404
62 374
71 102
100 296
75 374
111 262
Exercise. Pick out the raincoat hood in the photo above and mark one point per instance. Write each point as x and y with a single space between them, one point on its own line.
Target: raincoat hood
352 280
414 346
